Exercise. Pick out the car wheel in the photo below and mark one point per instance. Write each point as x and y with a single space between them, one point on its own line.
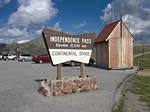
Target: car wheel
73 64
41 61
23 59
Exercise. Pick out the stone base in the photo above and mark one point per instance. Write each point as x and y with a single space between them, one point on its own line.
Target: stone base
73 85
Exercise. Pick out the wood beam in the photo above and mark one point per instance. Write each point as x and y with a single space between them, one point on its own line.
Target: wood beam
82 71
58 77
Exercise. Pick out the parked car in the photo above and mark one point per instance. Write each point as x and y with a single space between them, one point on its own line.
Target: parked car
71 63
12 57
25 57
91 62
74 63
5 57
1 56
41 59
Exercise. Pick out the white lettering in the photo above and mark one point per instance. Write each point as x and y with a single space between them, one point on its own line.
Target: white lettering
65 39
86 41
84 53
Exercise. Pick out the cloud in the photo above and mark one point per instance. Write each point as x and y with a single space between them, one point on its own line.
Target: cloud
107 13
135 14
32 12
57 26
38 31
29 19
22 41
79 25
11 32
136 25
4 2
15 34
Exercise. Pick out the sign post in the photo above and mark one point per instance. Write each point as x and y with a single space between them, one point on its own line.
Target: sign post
58 72
63 47
82 70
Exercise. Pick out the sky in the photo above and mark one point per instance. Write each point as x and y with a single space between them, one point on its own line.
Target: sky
23 20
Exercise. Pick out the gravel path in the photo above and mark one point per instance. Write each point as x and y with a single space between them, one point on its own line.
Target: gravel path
18 90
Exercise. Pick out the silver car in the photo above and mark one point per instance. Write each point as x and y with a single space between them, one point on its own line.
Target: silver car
25 57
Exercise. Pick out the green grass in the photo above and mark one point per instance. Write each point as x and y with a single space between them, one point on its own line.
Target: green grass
141 86
138 61
138 49
121 104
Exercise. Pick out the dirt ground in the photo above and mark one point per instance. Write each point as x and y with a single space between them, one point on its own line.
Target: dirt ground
145 72
132 101
133 104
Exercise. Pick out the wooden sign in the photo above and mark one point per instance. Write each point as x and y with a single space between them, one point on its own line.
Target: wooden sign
64 47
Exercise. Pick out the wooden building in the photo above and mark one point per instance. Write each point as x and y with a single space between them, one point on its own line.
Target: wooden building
114 46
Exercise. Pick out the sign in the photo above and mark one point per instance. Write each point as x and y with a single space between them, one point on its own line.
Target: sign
64 47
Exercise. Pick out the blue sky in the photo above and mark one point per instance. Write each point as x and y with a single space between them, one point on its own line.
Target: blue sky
72 16
73 13
23 20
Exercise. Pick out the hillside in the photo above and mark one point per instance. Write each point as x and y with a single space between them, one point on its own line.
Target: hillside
3 45
35 47
139 49
145 59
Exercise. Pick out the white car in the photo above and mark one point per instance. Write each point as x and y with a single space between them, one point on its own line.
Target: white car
1 57
5 57
12 57
25 57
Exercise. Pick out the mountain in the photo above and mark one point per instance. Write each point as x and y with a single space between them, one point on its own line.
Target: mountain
39 42
3 45
35 47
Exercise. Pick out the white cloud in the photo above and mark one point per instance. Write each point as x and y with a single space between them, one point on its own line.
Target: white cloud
85 31
135 14
39 31
79 25
21 24
136 25
14 35
107 13
5 40
4 2
11 32
32 12
57 26
22 41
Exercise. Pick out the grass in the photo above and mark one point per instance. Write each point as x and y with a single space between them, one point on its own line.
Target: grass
141 86
138 49
138 61
121 104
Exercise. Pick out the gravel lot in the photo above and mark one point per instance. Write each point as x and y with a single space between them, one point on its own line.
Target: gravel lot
18 90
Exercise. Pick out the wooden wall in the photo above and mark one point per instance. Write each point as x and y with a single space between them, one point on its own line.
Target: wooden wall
121 48
118 52
102 54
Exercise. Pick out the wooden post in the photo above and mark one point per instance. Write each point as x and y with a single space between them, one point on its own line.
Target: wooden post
82 72
58 72
142 66
121 26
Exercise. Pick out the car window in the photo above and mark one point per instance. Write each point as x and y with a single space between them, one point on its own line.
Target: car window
25 54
